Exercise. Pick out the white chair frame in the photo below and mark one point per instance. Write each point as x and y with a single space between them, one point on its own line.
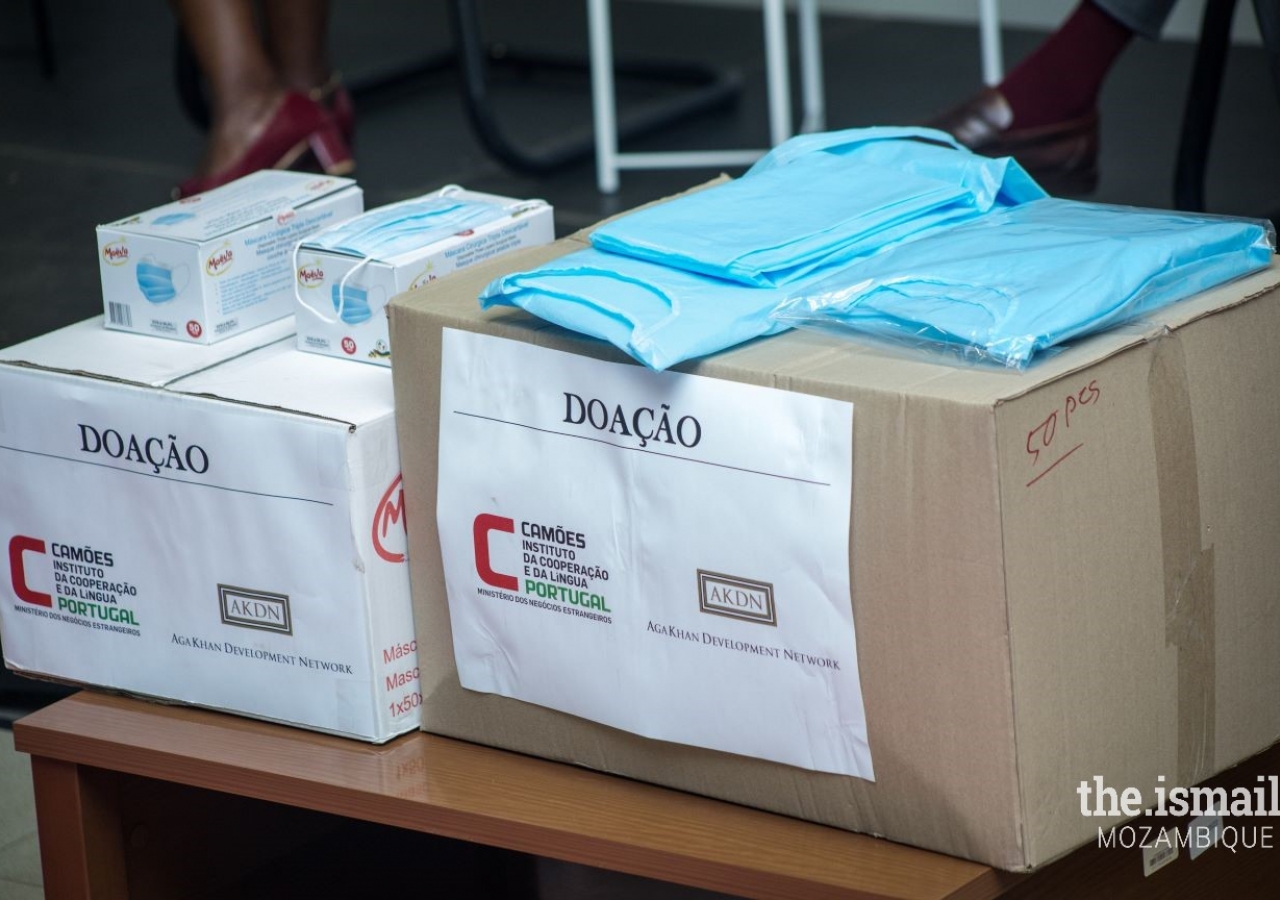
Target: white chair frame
610 161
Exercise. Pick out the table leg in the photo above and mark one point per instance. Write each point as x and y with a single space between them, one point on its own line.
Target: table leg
78 821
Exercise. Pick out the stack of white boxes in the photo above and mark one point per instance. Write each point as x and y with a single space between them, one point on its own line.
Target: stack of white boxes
215 519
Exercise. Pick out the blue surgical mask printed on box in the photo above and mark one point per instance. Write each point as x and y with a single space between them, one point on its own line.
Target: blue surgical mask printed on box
173 218
352 302
402 228
156 281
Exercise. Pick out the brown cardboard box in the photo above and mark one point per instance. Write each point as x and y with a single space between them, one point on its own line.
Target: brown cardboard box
1056 575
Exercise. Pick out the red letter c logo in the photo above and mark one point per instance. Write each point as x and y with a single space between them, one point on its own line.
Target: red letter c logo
19 575
485 523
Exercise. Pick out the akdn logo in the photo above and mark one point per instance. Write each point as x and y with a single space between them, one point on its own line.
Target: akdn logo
19 545
261 610
736 597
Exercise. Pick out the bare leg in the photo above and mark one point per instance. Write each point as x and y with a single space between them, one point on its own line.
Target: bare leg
244 90
297 41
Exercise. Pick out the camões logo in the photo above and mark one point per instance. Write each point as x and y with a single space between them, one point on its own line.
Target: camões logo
18 545
485 523
390 536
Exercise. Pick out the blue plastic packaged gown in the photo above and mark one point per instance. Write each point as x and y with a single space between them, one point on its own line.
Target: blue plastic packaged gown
659 315
1023 278
778 226
811 204
918 151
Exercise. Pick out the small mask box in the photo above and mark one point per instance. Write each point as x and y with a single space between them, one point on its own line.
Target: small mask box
346 274
219 263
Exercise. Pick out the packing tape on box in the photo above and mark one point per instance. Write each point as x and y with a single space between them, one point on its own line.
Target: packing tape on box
1188 567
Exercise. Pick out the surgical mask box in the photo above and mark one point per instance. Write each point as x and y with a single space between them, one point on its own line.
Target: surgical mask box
219 263
353 324
217 526
1042 578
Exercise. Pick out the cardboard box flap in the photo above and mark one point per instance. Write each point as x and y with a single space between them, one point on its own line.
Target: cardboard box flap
87 348
281 377
255 198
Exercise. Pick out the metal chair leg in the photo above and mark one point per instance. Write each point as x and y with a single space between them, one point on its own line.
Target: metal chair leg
1268 14
702 89
1202 105
44 42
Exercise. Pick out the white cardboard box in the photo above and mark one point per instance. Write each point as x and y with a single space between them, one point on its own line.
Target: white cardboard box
217 526
213 265
320 273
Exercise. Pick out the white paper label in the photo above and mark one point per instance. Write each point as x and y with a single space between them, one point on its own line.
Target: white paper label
1156 856
662 553
1203 833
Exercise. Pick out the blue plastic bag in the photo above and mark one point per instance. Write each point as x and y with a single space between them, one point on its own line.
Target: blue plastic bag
659 315
1024 278
780 225
800 209
917 151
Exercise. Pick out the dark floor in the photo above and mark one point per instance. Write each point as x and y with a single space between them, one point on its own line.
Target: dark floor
107 136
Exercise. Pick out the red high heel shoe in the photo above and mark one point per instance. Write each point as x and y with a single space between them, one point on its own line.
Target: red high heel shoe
299 124
336 99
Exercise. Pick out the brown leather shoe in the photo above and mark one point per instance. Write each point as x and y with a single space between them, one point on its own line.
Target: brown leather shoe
1063 156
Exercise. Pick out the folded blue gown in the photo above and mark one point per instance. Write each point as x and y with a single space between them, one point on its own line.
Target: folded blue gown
659 315
779 226
704 271
1027 277
800 211
916 151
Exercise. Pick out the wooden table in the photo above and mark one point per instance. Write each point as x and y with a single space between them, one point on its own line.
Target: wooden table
145 800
